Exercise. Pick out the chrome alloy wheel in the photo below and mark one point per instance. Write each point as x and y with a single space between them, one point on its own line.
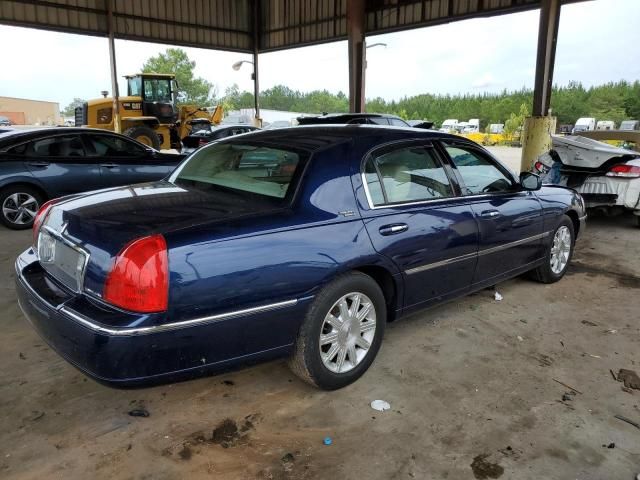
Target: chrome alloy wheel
347 332
560 250
20 208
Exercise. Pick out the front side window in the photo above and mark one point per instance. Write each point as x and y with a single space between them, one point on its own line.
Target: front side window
478 173
111 146
242 168
407 174
61 146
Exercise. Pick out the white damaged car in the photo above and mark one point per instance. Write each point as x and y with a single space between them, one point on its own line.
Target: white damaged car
607 177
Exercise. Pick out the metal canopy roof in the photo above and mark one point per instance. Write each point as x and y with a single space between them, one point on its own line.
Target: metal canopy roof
228 24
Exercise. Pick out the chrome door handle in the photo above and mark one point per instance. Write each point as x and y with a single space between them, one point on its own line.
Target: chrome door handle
39 164
109 165
490 214
393 229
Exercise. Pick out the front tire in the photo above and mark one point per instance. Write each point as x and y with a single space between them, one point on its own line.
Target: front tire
341 333
145 135
558 255
18 206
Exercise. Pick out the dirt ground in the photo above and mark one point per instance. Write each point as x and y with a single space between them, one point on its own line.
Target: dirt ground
474 387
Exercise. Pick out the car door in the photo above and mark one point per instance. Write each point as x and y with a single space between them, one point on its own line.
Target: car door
509 218
415 218
123 161
60 162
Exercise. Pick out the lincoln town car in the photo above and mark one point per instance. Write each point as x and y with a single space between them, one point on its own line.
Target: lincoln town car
300 242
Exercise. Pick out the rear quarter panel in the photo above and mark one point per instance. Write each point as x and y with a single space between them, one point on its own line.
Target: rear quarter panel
15 171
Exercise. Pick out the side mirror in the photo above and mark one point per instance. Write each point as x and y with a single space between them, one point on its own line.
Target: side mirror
530 181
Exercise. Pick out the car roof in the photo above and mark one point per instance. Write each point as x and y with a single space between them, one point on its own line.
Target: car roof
20 134
316 137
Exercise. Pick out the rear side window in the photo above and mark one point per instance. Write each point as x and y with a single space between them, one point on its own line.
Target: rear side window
408 174
242 168
61 146
111 146
378 120
479 174
397 122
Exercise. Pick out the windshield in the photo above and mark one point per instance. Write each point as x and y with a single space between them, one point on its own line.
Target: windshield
242 168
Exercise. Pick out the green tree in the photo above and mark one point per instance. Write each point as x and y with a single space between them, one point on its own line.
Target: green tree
197 90
632 101
70 110
514 123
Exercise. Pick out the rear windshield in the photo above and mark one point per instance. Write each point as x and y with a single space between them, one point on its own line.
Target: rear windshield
262 171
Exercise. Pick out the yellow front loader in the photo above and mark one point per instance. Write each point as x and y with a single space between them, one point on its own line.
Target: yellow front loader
149 112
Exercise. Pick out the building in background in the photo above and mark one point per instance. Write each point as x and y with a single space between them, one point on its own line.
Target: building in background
22 111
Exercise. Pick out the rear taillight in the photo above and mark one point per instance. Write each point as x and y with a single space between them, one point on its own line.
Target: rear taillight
539 166
40 218
202 141
624 170
139 279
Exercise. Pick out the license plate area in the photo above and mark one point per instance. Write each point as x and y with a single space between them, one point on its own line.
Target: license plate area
64 262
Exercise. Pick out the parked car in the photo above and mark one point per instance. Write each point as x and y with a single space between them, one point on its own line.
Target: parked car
630 125
205 135
426 124
277 124
40 164
5 122
300 242
585 124
353 118
607 177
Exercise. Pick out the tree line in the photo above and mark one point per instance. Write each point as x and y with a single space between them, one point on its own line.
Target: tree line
615 101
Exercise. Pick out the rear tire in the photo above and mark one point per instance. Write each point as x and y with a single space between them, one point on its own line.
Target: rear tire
337 341
558 255
145 135
18 206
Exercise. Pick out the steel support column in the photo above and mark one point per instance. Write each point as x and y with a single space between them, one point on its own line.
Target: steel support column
357 53
545 61
256 47
114 71
536 135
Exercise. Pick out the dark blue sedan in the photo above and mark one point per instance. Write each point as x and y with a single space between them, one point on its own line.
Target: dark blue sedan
43 163
300 242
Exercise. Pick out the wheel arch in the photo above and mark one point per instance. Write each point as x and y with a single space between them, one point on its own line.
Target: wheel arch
130 122
26 183
387 284
575 220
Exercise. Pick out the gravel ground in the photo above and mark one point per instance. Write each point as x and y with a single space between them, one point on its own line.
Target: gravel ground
475 387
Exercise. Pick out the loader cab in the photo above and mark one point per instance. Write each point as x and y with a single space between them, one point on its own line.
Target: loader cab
159 94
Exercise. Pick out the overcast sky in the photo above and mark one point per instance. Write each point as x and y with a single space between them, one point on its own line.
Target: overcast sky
598 42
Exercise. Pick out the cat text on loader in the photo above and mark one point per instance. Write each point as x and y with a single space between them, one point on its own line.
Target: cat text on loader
149 113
